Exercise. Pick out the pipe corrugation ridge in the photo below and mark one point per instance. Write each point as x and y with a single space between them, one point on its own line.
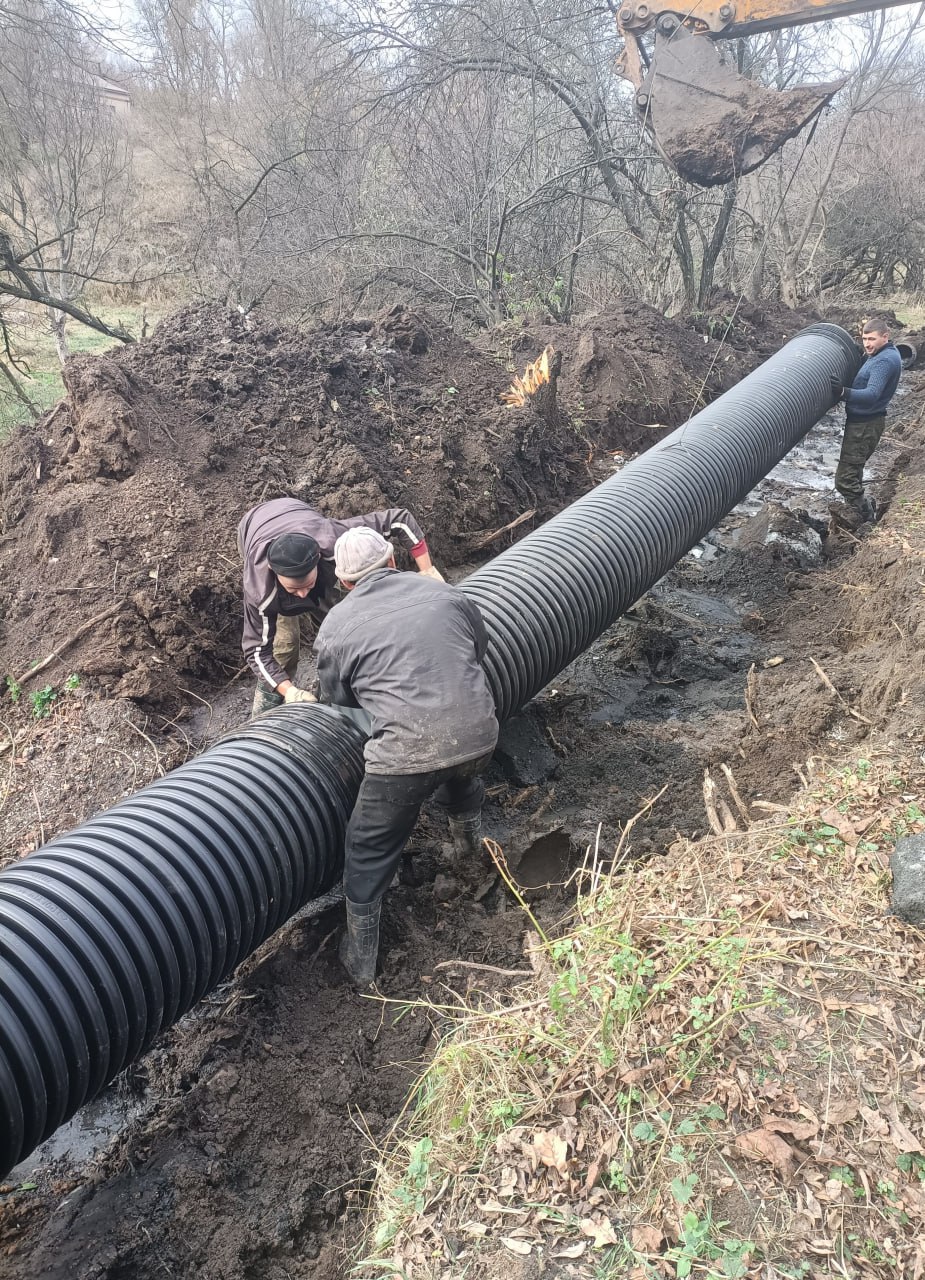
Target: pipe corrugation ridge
550 595
111 932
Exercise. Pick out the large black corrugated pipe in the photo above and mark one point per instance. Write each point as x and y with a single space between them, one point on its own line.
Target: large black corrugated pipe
551 594
111 932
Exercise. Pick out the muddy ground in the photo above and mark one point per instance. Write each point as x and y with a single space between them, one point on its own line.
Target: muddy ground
241 1146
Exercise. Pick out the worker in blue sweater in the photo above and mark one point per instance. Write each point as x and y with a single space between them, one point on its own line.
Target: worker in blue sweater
866 402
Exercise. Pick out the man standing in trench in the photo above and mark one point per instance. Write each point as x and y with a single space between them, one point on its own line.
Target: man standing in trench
409 652
866 403
288 553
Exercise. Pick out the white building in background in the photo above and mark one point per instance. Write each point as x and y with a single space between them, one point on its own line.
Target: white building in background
113 95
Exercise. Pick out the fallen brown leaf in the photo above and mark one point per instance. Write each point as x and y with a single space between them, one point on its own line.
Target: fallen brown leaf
763 1145
852 1006
523 1247
637 1074
600 1231
569 1250
842 1112
875 1121
646 1239
799 1129
551 1150
901 1136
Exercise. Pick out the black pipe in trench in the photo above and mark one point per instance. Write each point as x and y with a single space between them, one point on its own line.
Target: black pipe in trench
111 932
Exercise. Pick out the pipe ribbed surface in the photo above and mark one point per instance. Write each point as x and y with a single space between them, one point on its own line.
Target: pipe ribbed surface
111 932
546 598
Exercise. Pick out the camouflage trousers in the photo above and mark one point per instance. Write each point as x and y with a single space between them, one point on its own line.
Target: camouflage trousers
286 647
858 443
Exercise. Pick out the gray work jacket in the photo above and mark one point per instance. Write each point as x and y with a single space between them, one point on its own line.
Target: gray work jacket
409 650
265 599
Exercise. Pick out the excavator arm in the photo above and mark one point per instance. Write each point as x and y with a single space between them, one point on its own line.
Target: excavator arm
710 123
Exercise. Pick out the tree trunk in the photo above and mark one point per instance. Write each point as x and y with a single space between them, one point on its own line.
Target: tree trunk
57 323
754 283
714 246
569 300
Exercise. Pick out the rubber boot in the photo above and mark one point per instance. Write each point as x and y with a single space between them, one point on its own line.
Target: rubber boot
466 834
265 699
869 510
359 947
847 514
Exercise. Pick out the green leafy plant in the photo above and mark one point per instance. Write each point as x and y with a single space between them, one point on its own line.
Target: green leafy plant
42 700
13 688
725 1257
913 1164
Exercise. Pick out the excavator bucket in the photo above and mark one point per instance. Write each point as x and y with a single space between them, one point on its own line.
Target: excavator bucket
709 122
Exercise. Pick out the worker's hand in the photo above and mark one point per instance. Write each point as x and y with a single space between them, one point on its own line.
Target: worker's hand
432 572
838 389
294 694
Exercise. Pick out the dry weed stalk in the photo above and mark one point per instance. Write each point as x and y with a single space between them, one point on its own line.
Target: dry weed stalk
716 1068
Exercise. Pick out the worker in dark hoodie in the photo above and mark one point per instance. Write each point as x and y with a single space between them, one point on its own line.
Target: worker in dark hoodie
409 653
288 553
866 402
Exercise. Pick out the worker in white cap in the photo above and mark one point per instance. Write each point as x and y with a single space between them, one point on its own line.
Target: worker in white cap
408 650
288 553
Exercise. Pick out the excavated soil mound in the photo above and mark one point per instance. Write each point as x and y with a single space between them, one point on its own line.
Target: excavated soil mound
757 328
671 368
121 505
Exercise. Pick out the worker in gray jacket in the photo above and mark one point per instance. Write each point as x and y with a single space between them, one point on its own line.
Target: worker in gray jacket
408 651
288 553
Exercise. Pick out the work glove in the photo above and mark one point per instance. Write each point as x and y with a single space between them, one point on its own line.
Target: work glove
293 694
838 390
432 572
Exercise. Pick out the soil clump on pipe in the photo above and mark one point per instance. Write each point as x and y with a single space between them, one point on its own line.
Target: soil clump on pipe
252 1128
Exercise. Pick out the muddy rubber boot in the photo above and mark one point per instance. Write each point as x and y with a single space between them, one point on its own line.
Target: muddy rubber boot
359 946
265 699
847 514
466 834
869 510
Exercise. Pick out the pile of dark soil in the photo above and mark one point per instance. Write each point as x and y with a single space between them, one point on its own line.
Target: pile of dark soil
125 499
757 328
670 370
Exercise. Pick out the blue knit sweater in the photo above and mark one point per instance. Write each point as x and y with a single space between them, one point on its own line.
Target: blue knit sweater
875 384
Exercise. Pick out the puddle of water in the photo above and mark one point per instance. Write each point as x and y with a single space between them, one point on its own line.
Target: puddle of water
545 862
620 699
89 1131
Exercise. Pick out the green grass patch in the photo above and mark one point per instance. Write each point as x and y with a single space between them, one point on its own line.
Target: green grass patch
34 347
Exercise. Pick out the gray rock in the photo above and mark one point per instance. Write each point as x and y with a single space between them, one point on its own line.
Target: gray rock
907 864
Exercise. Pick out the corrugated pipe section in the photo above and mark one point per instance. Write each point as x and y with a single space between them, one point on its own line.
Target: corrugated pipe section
111 932
551 594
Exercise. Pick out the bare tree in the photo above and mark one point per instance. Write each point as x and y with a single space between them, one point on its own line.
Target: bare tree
807 180
64 175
